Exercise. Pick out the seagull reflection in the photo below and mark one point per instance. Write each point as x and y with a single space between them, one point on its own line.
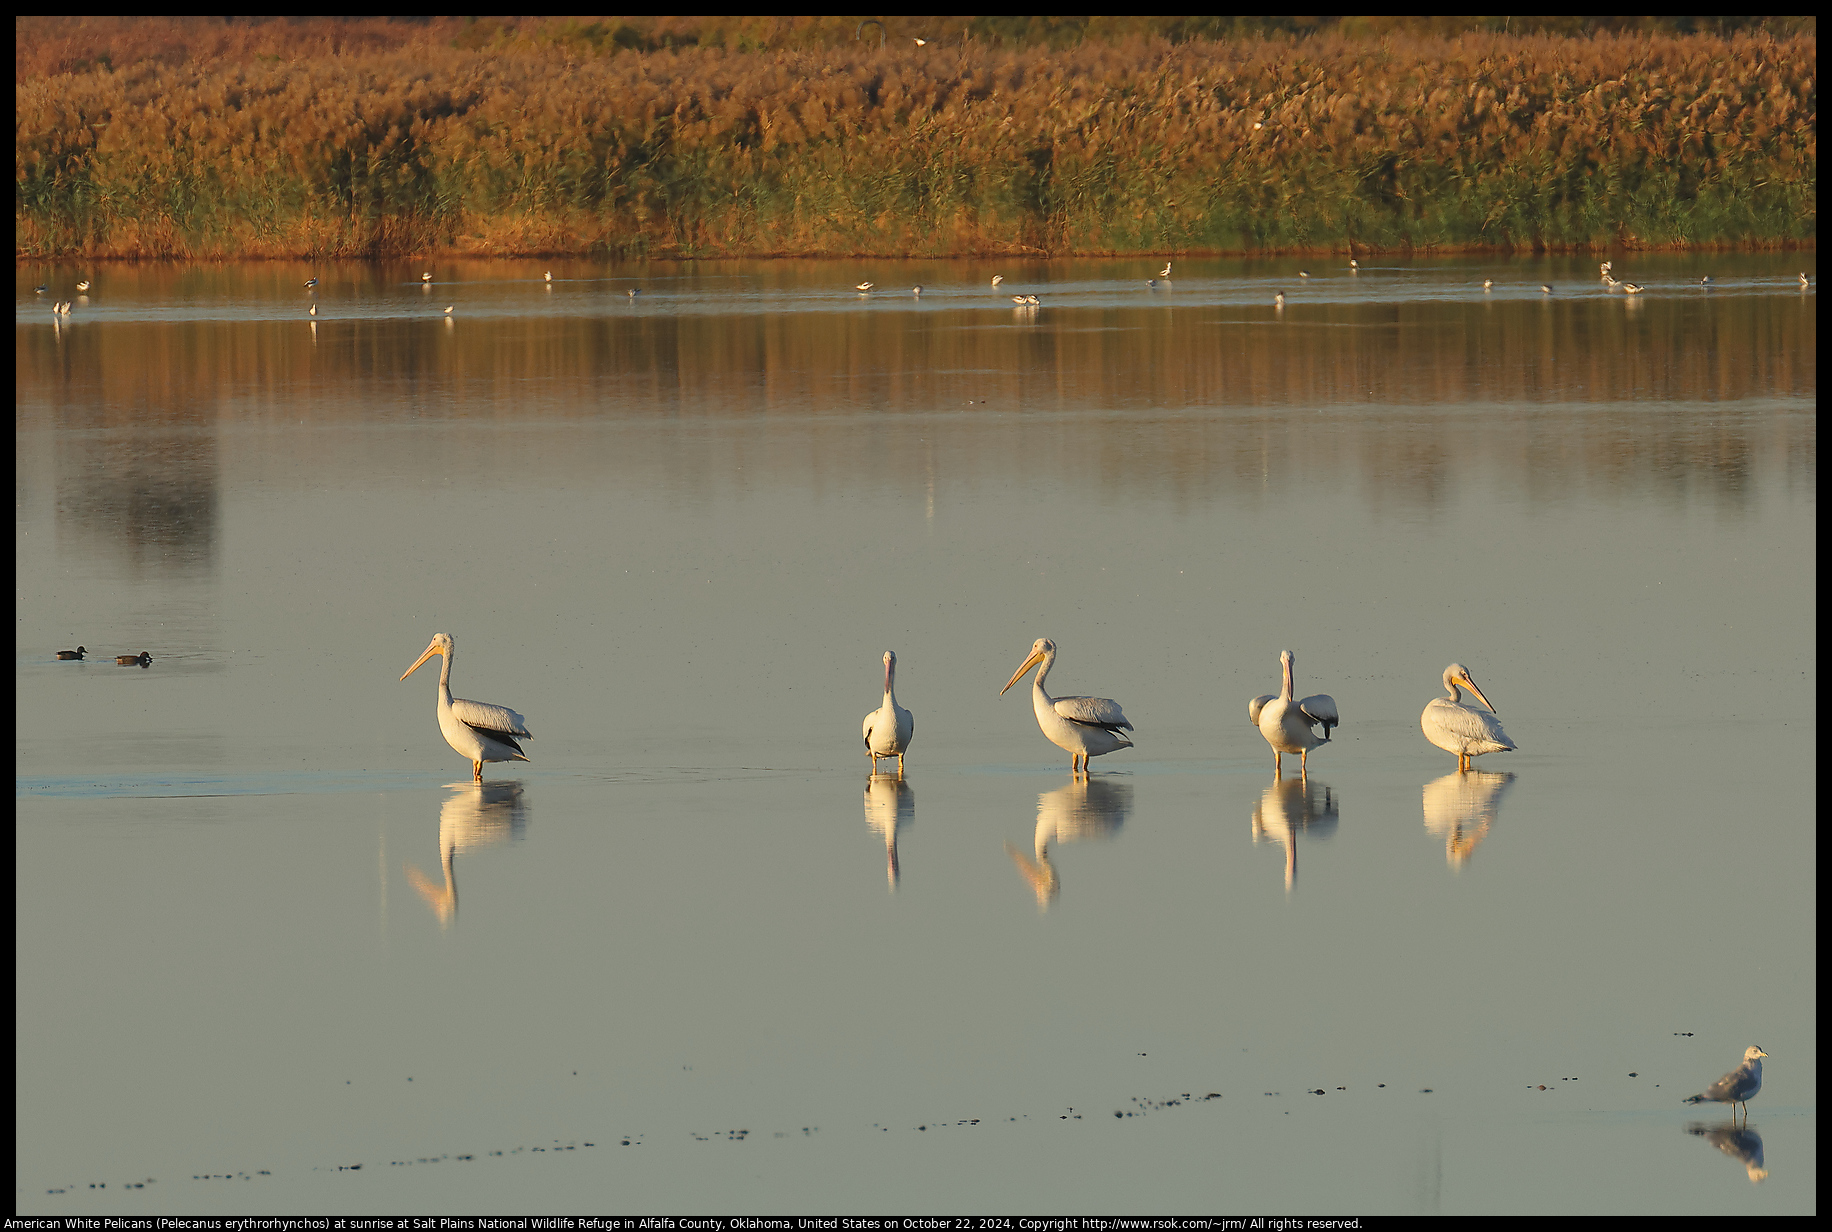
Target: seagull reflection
476 815
890 805
1084 809
1288 806
1461 807
1740 1142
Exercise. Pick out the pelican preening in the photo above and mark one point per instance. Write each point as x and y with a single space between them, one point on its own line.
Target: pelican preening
1165 272
1278 300
448 309
140 660
863 287
78 653
1460 729
1085 726
1545 289
426 277
1290 725
84 284
998 278
477 730
888 729
1739 1086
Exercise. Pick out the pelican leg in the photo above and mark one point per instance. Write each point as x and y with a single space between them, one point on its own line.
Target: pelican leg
477 771
900 765
1304 763
1278 764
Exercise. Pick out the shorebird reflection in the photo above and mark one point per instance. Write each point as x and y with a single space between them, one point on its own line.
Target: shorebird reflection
1085 808
476 815
1289 806
890 805
1461 807
1740 1142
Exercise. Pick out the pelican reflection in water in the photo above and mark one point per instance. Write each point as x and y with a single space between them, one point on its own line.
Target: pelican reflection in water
890 805
475 815
1460 808
1085 808
1289 807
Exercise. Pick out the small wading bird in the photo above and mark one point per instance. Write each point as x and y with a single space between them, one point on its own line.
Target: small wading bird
1460 729
78 653
1739 1086
1152 283
142 659
1033 301
1705 281
312 311
1611 281
1606 267
1804 281
1019 300
633 292
477 730
1290 725
888 729
40 290
1085 726
1304 273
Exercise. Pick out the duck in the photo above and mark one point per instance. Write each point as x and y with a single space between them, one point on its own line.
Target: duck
142 659
78 653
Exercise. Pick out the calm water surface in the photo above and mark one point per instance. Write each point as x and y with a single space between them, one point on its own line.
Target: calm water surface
277 953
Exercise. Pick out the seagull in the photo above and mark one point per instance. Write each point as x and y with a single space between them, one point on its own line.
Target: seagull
863 287
998 278
1739 1086
140 660
1165 272
1631 289
309 284
78 653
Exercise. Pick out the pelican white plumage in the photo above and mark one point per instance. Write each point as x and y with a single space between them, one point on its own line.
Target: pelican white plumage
549 275
1085 726
1460 729
888 729
448 309
310 283
1545 288
1354 265
863 287
426 277
1632 288
1290 725
998 278
1304 273
1165 272
477 730
84 284
1278 299
1488 284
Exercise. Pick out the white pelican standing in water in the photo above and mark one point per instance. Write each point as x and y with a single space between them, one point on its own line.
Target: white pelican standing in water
1085 726
998 278
477 730
888 729
1460 729
1290 725
1165 272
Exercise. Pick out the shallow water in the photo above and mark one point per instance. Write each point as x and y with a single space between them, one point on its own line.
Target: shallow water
692 957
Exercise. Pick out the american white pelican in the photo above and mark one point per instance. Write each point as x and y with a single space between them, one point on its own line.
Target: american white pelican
916 290
1304 273
309 284
1290 725
1739 1086
1165 272
448 309
78 653
1033 301
313 311
633 292
477 730
863 287
1278 300
1354 265
888 728
1460 729
1488 284
84 284
140 660
998 278
1085 726
426 277
549 275
1545 289
1805 281
1632 289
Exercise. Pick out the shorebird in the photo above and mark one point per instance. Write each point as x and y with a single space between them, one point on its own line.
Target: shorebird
312 311
633 292
549 275
1705 281
40 289
1804 281
427 276
1304 273
1033 301
1152 283
1019 300
1354 265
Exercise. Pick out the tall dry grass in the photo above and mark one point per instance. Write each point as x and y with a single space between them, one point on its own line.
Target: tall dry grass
173 138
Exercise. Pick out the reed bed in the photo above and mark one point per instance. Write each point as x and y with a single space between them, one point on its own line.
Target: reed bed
370 139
